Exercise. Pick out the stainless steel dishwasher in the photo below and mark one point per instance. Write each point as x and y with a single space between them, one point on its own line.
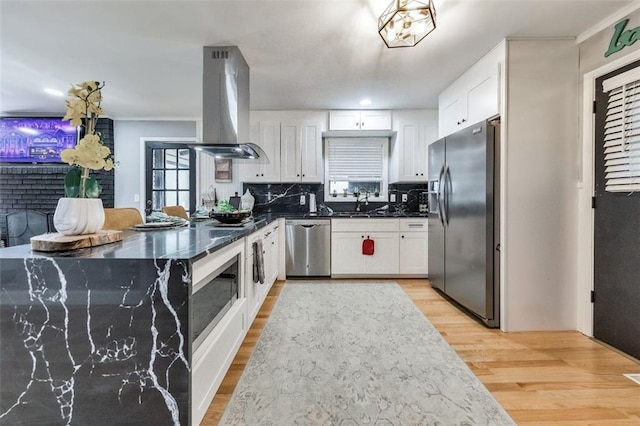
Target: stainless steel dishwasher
308 247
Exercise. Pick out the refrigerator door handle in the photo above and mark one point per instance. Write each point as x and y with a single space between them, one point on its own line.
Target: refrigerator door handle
439 196
446 186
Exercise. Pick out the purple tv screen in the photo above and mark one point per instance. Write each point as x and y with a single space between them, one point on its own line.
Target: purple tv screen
35 140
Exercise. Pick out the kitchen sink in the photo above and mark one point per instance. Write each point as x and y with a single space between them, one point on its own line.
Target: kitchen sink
351 214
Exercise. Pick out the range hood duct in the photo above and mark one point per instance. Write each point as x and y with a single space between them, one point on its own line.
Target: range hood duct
225 105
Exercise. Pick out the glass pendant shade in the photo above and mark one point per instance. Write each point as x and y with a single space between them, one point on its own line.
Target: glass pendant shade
405 22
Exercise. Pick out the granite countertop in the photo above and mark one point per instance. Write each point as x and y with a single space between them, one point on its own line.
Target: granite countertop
187 242
343 215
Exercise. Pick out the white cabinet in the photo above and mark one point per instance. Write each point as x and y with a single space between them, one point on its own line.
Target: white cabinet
294 151
413 247
360 120
408 161
347 236
271 250
265 134
474 96
254 291
212 358
301 152
401 247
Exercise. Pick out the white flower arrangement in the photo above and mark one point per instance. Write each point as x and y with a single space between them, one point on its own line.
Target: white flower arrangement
83 109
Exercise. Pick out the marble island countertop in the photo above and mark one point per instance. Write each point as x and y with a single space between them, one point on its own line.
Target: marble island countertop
190 242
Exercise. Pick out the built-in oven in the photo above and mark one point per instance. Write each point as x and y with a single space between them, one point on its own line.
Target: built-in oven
211 299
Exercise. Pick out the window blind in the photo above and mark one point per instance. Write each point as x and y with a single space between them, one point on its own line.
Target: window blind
622 132
356 160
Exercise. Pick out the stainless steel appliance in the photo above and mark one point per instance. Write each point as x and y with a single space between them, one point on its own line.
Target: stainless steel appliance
212 297
464 231
308 247
225 105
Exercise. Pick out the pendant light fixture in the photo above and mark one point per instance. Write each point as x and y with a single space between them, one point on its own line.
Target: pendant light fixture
405 22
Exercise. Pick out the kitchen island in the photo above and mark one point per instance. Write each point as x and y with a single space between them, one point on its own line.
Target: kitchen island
102 335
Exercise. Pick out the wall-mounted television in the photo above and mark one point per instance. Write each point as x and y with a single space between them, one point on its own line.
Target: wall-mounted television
35 139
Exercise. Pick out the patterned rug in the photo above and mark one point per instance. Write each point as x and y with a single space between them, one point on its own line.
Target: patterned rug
356 353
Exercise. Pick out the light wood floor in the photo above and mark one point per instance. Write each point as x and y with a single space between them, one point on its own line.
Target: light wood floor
540 378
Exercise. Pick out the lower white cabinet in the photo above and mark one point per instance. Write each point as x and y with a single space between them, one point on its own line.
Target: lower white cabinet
256 292
211 360
400 247
347 236
271 249
413 247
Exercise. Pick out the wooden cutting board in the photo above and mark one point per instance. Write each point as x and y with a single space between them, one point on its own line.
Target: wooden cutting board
59 242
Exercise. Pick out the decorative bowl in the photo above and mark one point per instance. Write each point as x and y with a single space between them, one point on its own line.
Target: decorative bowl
230 217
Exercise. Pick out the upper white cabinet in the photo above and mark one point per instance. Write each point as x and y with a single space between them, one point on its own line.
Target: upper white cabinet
360 120
415 131
474 96
265 134
301 152
292 141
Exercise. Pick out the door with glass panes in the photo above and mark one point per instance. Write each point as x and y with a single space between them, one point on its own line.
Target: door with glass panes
170 175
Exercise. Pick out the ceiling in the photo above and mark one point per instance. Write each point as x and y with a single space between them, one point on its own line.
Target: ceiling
303 54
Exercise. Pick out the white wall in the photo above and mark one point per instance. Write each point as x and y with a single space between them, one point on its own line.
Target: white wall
540 209
127 135
594 64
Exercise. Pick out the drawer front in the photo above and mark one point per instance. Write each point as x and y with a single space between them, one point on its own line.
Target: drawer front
364 225
413 225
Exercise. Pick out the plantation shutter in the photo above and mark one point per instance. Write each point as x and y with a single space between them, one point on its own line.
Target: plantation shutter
356 160
622 132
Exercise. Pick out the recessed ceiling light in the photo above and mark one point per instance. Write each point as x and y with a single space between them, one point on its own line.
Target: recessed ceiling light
53 92
365 102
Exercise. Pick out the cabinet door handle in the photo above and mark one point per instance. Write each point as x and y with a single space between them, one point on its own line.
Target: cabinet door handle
362 236
403 236
303 175
463 120
298 175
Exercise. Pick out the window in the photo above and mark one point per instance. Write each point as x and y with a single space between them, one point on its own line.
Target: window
356 167
622 132
170 176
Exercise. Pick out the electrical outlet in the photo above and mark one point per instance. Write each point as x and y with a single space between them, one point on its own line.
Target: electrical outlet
136 198
303 200
392 198
404 198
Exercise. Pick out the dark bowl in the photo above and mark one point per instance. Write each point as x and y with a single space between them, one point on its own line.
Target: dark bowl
230 217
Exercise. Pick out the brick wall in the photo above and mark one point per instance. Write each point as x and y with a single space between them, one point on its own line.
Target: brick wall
39 186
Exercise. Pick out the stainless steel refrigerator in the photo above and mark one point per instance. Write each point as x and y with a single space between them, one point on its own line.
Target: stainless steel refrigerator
464 231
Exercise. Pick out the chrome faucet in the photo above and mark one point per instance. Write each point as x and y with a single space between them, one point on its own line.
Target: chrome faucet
359 200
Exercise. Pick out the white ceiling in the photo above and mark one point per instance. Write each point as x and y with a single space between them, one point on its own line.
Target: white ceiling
303 54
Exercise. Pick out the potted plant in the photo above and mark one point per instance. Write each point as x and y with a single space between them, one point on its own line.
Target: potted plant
81 211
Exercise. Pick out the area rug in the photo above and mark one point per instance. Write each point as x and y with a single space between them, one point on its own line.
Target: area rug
356 353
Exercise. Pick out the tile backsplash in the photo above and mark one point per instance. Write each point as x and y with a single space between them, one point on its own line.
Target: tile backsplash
285 197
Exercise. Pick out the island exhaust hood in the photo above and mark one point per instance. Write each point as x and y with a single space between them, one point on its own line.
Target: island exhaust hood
225 105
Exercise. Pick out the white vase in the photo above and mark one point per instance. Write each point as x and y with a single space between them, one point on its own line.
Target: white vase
247 201
78 216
